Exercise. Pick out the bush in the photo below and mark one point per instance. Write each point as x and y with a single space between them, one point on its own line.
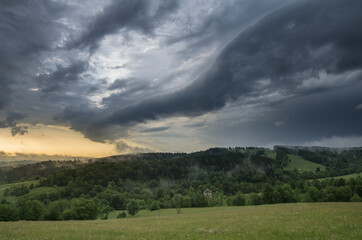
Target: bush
239 200
8 213
255 199
118 202
69 214
56 209
356 198
54 213
154 206
133 207
31 210
85 209
122 215
229 201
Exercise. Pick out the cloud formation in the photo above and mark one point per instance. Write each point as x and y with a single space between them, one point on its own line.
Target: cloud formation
11 122
270 68
273 56
138 15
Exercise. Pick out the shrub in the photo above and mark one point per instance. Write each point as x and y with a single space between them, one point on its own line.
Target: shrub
239 200
255 199
31 210
133 207
85 209
154 206
122 215
8 213
356 198
69 214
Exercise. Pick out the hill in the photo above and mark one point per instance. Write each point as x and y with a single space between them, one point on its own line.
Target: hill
232 176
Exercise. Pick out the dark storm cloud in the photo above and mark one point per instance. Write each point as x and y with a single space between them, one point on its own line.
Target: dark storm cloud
286 52
155 129
129 15
288 46
11 118
26 30
306 118
224 21
129 88
304 38
53 82
131 84
11 122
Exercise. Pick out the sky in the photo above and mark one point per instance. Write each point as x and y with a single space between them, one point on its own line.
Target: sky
97 78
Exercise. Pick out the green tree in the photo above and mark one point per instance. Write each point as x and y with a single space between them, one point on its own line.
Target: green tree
356 198
239 200
255 199
133 207
8 213
267 193
31 210
118 202
155 205
315 194
85 209
54 212
69 214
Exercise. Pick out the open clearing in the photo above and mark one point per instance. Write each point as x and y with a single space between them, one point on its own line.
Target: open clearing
346 177
280 221
301 164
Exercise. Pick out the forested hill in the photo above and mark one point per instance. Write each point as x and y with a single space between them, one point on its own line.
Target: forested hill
248 164
232 176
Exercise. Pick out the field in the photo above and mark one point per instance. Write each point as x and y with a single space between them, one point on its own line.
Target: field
13 199
280 221
346 177
303 165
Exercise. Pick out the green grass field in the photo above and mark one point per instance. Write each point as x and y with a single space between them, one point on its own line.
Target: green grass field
346 177
13 199
280 221
303 165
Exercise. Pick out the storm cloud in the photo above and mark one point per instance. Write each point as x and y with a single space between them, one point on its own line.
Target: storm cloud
274 55
269 71
11 121
138 15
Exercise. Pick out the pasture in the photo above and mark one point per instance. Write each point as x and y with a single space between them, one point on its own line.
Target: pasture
279 221
301 164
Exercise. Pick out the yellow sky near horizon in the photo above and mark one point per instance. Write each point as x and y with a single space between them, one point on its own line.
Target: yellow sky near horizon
53 140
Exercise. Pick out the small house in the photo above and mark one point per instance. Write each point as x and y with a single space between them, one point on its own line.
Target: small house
208 192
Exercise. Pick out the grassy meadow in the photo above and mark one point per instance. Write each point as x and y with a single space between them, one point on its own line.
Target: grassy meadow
301 164
10 198
279 221
346 177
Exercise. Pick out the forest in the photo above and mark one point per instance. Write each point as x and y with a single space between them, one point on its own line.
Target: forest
232 176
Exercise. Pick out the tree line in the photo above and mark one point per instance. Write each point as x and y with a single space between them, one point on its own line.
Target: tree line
236 176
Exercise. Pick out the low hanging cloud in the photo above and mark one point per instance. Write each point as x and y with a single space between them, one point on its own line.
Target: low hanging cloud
122 147
11 122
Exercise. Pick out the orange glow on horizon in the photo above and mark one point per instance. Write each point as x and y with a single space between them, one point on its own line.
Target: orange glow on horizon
53 140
